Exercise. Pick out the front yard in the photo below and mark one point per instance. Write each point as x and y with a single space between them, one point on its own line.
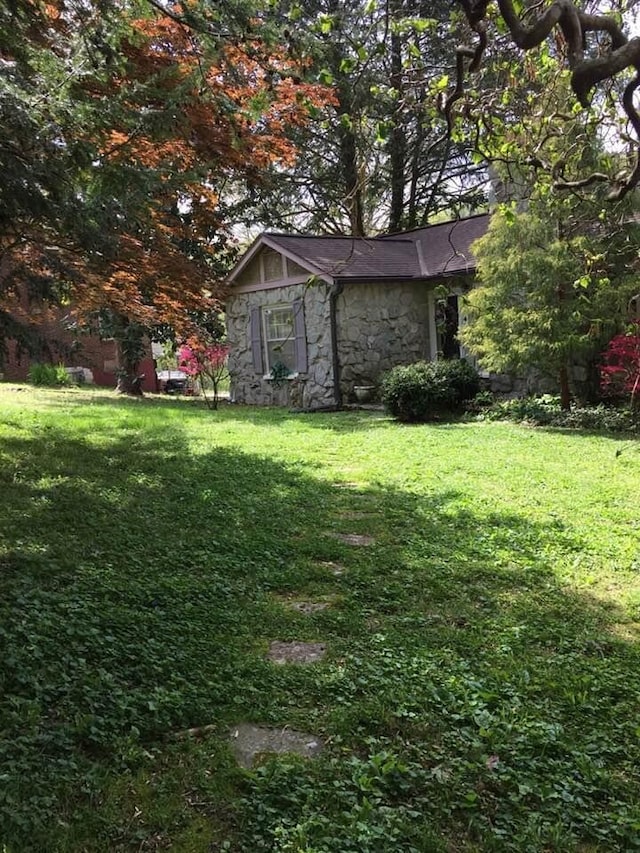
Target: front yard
475 588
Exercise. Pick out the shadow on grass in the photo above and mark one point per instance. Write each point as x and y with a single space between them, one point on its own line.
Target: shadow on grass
137 583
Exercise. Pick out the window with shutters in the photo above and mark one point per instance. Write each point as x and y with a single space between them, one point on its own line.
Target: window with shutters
279 337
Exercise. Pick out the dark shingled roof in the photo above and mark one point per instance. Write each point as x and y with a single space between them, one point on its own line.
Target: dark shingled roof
422 254
431 252
445 249
352 257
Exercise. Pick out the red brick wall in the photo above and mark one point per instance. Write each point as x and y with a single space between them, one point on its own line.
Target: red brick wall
63 347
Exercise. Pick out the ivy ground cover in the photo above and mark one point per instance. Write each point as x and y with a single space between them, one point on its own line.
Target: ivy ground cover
481 683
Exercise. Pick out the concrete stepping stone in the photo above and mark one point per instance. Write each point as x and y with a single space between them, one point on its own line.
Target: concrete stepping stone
308 607
248 742
336 569
282 653
357 539
304 606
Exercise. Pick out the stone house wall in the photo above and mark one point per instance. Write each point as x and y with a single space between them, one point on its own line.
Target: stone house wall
313 389
380 326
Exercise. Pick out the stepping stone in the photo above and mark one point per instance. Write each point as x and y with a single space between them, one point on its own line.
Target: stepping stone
335 568
248 742
307 607
346 485
357 539
282 653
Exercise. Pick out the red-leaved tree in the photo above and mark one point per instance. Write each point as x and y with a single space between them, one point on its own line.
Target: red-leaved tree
204 362
620 369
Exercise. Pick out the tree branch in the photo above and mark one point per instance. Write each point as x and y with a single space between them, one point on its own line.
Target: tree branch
588 71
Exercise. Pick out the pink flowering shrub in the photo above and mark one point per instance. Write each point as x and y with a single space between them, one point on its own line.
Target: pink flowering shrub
203 362
620 369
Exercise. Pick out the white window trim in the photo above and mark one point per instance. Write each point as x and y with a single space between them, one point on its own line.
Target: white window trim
269 377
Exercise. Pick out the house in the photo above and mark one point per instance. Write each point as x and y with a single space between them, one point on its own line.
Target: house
84 355
310 318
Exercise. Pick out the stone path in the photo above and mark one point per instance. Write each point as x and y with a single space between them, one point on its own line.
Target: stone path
334 567
249 741
357 539
308 607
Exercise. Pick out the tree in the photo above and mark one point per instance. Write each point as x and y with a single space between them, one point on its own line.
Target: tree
205 361
620 369
122 131
594 47
379 158
553 287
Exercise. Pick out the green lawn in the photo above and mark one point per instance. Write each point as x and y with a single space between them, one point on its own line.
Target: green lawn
481 689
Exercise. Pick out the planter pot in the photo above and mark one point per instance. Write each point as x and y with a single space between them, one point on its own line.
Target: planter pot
364 393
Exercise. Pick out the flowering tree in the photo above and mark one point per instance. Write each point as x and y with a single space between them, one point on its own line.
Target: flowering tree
620 370
203 362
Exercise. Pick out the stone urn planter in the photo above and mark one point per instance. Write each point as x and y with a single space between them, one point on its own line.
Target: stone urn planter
364 393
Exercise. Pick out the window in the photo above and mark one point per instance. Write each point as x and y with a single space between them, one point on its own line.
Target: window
279 337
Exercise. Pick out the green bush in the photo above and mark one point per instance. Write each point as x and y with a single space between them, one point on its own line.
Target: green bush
541 410
427 390
545 410
51 375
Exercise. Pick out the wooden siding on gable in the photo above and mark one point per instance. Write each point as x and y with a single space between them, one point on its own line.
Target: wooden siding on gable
269 269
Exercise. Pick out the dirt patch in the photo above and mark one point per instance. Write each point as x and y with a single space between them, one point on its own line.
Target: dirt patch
249 742
354 515
282 653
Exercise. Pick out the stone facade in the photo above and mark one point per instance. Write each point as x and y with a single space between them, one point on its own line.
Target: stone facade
310 390
380 325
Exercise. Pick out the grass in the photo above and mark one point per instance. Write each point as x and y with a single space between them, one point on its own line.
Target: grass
482 684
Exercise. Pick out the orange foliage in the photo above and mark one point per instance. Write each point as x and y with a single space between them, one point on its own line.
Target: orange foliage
220 116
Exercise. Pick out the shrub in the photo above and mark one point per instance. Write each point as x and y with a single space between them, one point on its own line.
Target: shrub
546 411
542 410
620 370
51 375
427 390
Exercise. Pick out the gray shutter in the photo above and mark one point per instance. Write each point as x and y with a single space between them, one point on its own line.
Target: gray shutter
256 340
300 335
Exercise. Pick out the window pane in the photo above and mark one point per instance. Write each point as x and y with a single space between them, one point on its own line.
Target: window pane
281 352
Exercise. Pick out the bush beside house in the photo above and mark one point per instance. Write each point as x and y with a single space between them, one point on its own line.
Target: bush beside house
427 390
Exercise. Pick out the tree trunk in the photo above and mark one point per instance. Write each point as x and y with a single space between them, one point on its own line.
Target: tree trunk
397 141
350 174
129 379
565 391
